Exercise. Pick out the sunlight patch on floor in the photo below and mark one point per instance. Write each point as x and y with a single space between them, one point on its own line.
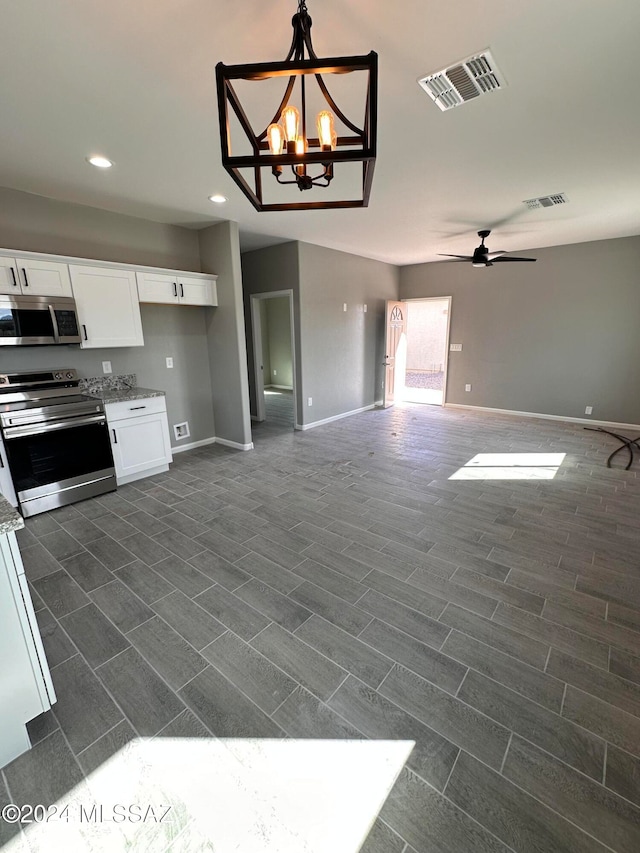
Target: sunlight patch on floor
224 796
510 466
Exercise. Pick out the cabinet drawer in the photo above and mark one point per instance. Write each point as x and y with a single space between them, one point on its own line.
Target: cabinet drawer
135 408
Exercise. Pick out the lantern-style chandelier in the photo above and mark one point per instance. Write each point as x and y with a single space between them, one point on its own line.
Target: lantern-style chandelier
284 147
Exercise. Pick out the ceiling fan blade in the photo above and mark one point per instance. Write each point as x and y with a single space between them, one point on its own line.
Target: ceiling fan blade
461 257
493 255
511 258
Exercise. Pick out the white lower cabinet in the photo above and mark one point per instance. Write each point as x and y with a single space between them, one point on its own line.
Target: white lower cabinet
6 483
108 307
26 689
139 438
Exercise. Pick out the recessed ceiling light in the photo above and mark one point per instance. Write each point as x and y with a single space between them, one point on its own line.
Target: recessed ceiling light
217 199
100 162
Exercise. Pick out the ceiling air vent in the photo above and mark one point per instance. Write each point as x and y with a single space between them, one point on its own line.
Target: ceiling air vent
477 75
546 201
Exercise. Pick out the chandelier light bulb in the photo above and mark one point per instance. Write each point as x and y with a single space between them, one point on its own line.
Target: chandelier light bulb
275 136
301 148
291 121
326 132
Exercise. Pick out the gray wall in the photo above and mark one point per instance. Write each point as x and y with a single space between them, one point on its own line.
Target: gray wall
550 337
220 253
168 331
37 224
266 271
342 352
278 326
207 344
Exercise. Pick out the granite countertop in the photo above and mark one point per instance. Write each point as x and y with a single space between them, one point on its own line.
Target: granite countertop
113 395
10 518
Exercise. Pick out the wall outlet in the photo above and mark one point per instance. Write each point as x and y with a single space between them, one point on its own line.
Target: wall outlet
106 367
588 410
181 430
275 372
344 306
309 401
467 387
365 309
455 348
169 361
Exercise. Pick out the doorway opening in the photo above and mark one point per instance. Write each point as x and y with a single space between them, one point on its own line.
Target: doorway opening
427 351
274 358
417 347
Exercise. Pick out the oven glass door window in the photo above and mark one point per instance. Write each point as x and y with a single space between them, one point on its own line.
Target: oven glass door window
52 457
25 323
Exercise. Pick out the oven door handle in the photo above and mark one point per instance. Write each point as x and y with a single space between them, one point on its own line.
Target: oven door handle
37 429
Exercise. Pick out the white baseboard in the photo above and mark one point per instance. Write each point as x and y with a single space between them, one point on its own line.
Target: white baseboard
335 418
235 444
213 440
142 475
193 444
543 416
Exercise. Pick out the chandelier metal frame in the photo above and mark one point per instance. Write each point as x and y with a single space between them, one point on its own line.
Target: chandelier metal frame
358 146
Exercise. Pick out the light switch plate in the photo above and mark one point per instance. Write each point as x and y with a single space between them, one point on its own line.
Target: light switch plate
106 367
169 361
455 348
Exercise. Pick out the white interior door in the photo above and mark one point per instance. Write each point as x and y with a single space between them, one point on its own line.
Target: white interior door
256 323
395 347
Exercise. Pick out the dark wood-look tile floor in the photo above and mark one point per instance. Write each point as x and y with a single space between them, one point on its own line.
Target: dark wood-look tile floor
338 583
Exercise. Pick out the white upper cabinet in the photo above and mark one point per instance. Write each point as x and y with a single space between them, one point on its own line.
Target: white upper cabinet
176 289
29 277
108 307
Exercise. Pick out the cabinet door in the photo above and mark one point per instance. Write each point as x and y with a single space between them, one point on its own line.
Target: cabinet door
157 287
20 698
6 483
43 278
108 307
197 291
140 444
9 281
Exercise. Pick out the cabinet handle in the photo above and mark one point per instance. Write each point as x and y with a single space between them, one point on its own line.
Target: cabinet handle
115 437
175 290
181 289
26 280
84 329
135 408
13 276
1 462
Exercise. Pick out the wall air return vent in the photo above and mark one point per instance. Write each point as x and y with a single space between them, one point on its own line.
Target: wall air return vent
546 201
477 75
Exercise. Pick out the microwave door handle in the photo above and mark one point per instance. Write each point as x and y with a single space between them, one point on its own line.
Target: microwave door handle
54 323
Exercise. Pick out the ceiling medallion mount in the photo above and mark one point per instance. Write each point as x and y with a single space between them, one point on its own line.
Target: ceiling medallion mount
283 147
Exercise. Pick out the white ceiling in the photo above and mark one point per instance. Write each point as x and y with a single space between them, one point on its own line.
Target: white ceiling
136 81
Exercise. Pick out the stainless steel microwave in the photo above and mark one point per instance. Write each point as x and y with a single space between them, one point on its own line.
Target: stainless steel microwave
38 320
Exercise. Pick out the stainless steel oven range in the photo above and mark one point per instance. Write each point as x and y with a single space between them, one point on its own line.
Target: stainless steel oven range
56 440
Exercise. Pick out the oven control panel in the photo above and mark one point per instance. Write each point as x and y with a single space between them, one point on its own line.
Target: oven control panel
24 379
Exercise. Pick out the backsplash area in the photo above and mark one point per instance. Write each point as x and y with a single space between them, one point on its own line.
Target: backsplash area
97 384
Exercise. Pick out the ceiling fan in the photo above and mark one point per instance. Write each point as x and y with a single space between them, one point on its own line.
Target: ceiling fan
482 257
